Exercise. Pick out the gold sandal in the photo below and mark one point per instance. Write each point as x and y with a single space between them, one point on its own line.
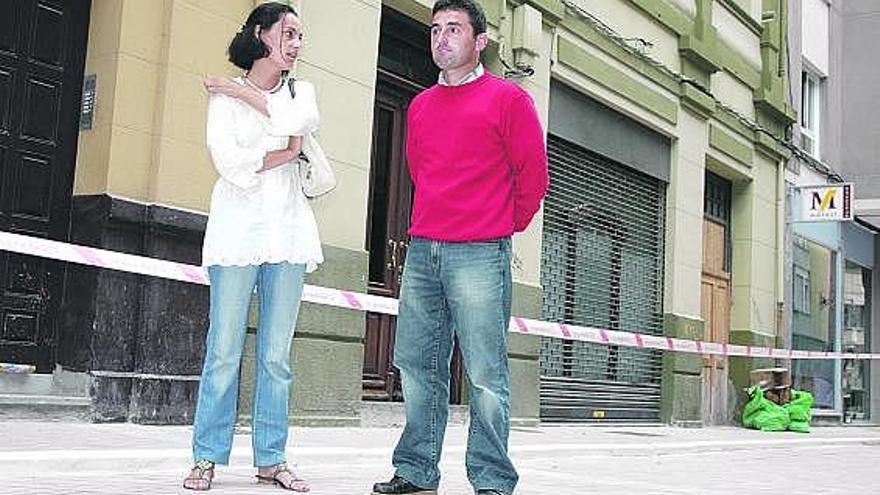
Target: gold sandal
200 477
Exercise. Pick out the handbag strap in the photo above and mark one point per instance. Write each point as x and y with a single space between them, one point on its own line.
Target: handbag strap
291 86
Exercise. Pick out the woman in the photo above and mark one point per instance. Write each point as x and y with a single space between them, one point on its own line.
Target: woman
261 236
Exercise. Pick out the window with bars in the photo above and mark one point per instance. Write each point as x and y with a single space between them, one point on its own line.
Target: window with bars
716 207
602 266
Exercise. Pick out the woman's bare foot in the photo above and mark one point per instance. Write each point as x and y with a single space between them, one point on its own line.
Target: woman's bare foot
200 477
282 477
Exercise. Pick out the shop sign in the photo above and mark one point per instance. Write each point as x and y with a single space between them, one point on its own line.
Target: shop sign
827 203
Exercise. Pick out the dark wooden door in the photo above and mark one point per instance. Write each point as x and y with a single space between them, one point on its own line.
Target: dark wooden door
389 214
390 206
42 54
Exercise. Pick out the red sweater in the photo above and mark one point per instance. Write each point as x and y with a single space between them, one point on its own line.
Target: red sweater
477 158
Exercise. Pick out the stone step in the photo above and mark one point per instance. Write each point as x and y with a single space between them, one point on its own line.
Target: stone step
26 384
390 414
46 407
61 382
62 395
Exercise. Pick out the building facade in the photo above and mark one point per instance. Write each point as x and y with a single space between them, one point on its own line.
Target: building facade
860 148
833 263
666 124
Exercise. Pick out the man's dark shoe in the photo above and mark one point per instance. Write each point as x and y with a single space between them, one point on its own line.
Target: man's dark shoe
401 486
489 492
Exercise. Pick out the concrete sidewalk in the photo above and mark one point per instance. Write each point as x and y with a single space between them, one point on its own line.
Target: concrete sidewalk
46 457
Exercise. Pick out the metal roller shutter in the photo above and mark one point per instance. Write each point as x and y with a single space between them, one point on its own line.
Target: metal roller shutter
602 266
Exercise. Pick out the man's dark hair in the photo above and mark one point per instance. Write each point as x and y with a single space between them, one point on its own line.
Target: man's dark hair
470 7
246 46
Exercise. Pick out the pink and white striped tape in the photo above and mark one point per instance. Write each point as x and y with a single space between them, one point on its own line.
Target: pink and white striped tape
17 369
365 302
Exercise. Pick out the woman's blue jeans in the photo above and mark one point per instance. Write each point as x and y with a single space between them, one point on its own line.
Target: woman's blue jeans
455 289
279 286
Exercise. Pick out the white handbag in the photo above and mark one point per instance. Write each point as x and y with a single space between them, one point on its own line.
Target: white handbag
315 174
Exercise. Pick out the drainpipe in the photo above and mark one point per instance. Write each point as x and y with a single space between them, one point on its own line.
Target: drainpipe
781 330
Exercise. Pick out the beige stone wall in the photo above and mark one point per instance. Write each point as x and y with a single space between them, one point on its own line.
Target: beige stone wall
102 59
340 56
150 57
148 143
196 34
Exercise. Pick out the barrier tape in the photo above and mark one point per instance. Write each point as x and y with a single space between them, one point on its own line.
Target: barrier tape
182 272
17 369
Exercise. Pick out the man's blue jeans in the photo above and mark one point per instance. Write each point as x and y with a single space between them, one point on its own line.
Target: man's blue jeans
279 286
455 289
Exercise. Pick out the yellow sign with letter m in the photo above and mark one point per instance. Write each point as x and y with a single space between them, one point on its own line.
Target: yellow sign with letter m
826 203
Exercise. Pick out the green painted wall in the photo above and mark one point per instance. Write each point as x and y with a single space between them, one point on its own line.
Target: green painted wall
732 147
523 351
615 80
682 393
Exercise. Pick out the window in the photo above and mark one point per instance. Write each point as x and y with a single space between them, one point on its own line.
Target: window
810 115
801 291
716 207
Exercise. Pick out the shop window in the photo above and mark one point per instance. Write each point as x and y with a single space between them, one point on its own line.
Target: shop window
814 326
856 338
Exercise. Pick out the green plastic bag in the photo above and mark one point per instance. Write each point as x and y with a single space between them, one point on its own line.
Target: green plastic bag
800 411
762 414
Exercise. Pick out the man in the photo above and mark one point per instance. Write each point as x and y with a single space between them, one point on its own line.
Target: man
478 160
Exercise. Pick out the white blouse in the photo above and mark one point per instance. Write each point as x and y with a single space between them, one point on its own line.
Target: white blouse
261 217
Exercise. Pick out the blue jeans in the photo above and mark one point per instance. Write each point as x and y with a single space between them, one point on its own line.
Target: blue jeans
279 286
455 289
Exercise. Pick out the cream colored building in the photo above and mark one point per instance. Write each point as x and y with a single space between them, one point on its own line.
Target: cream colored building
664 122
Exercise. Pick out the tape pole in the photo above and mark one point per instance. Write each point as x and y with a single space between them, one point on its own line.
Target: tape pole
182 272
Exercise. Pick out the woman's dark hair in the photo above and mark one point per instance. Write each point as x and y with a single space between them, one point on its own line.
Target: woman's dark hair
471 8
246 46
